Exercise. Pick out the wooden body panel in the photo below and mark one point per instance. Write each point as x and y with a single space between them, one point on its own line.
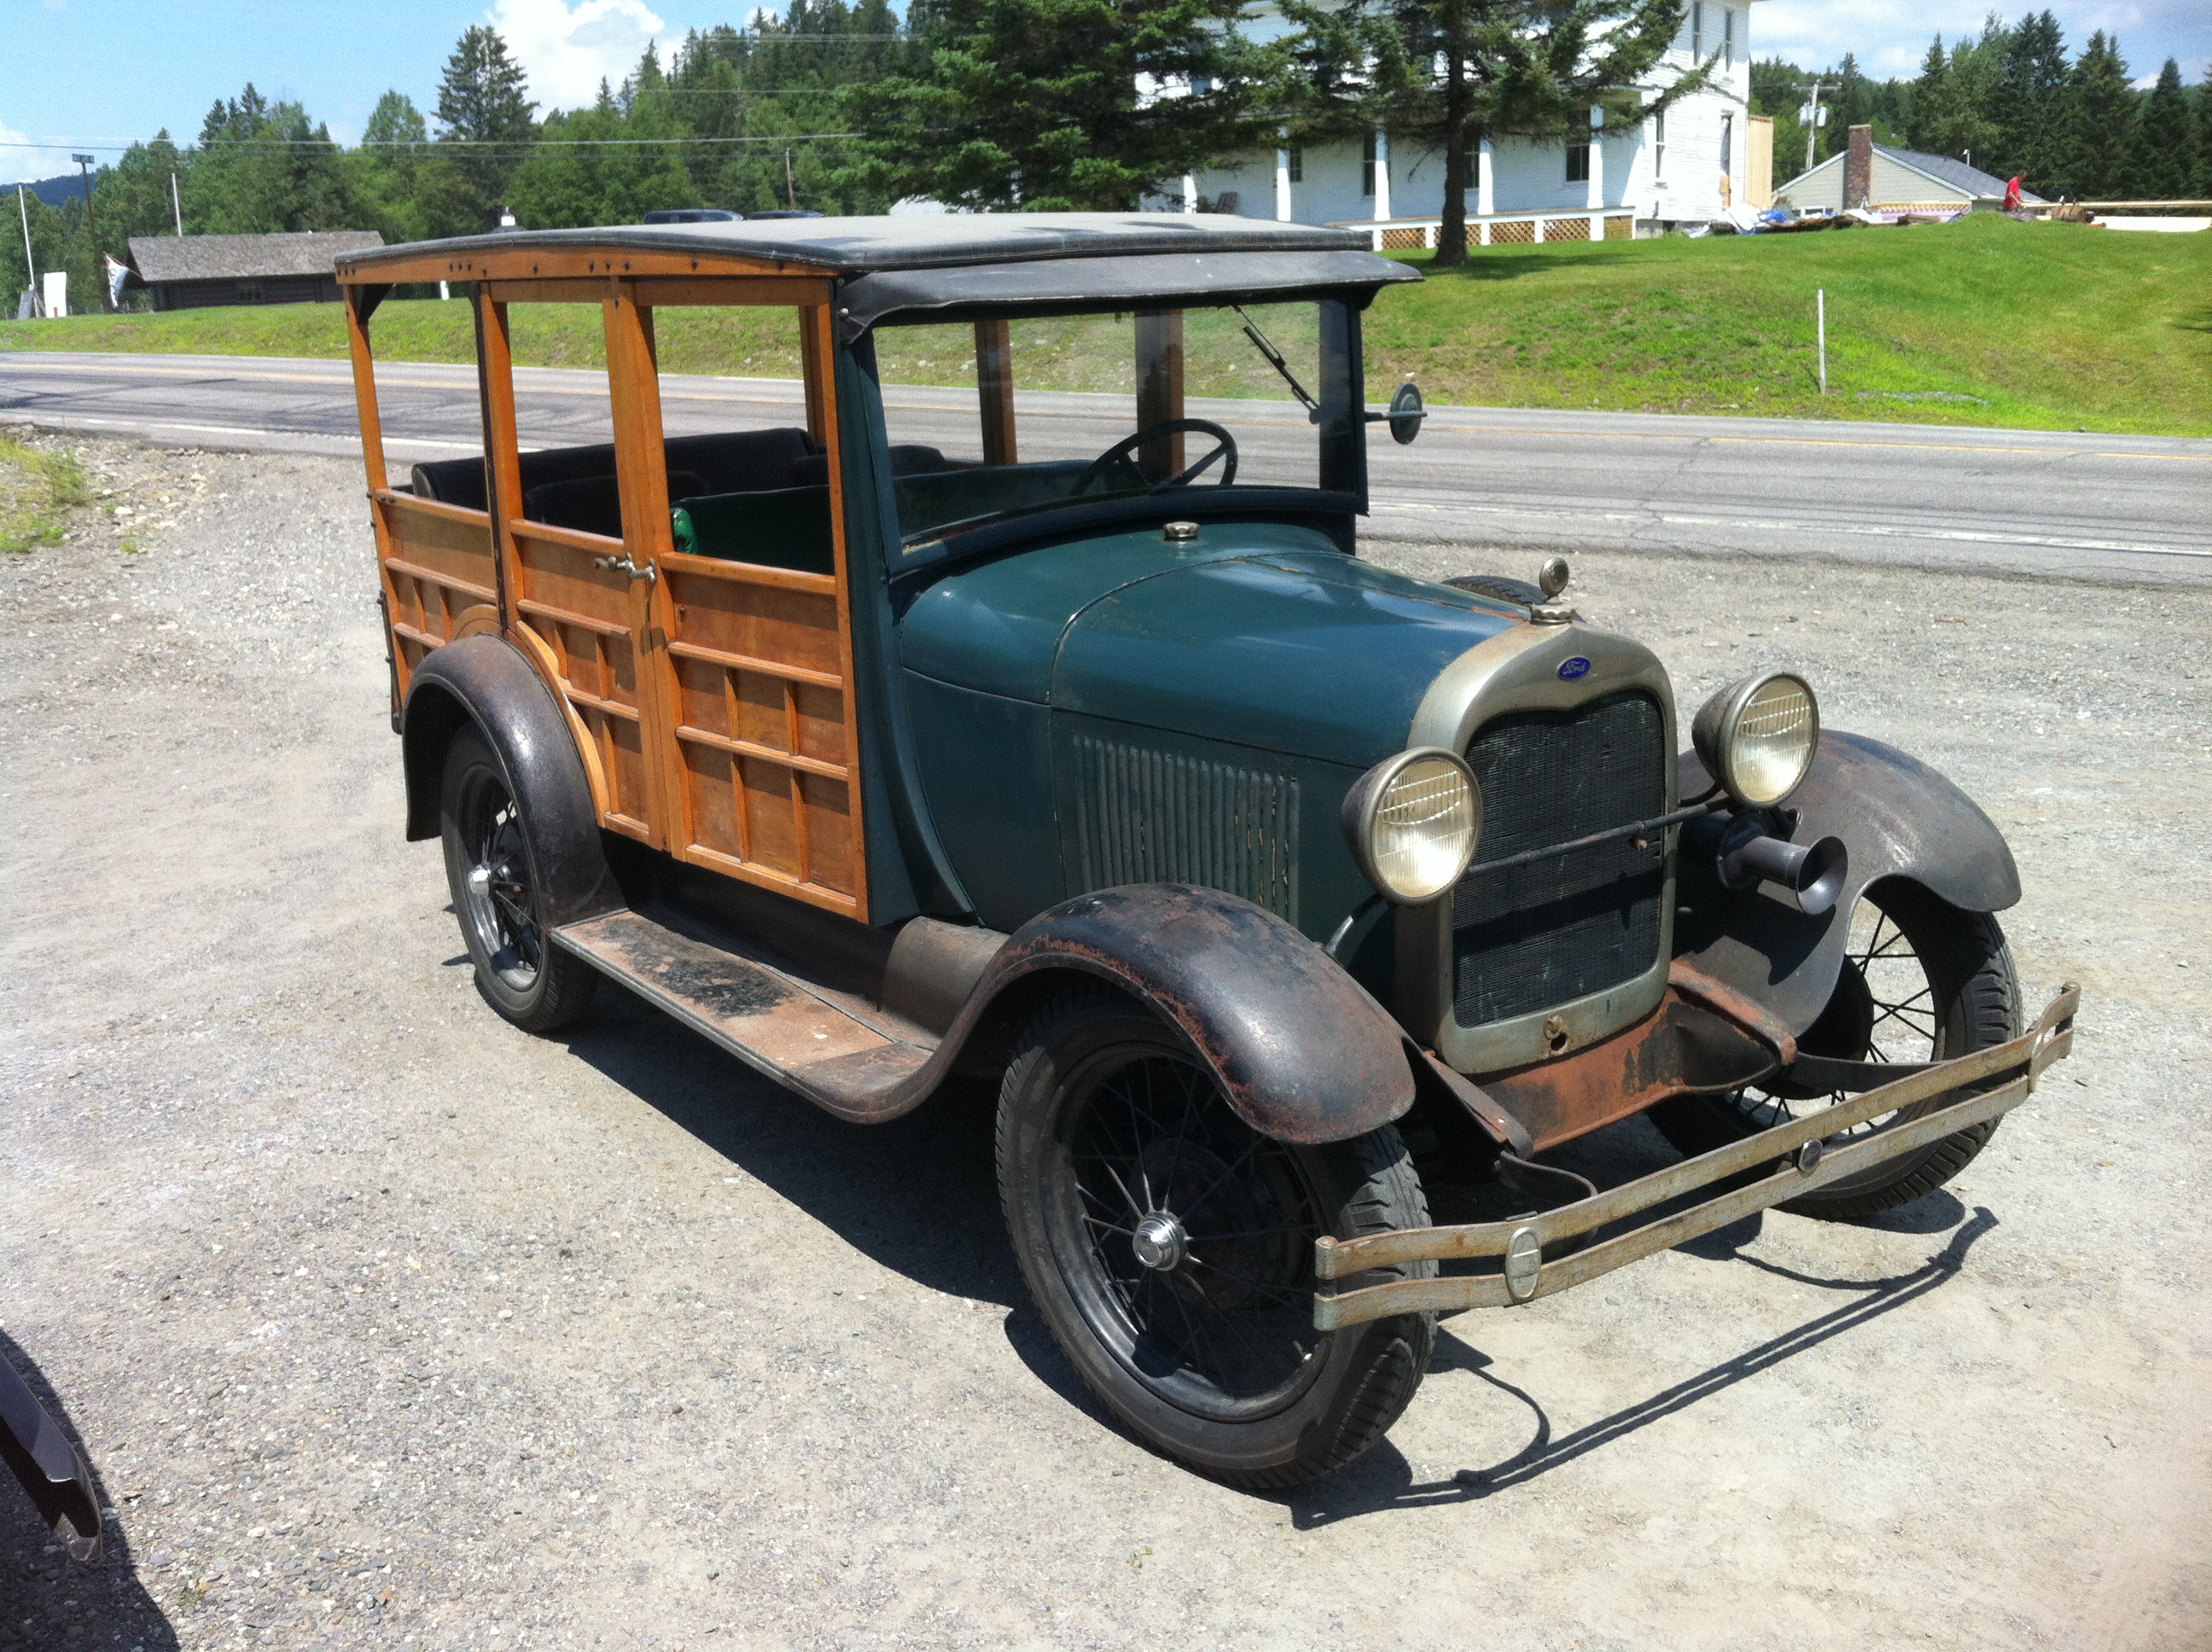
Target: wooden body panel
587 622
764 748
711 699
436 564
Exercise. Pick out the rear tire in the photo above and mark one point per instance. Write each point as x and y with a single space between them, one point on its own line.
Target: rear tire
1922 980
1206 1351
492 867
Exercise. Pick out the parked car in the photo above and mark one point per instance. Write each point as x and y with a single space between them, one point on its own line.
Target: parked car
1050 726
692 215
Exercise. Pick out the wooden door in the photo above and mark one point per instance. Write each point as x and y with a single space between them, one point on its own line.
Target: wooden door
754 667
712 697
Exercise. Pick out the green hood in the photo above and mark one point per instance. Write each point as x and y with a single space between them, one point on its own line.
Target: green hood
1267 637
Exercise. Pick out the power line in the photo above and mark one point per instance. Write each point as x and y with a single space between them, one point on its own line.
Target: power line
494 146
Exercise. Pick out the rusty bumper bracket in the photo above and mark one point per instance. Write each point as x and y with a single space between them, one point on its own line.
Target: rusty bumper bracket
1797 1149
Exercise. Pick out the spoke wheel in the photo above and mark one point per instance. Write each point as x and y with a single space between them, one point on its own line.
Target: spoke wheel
495 897
492 864
1170 1248
1186 1238
1921 981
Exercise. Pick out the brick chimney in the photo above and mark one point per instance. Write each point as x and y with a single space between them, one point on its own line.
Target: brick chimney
1858 168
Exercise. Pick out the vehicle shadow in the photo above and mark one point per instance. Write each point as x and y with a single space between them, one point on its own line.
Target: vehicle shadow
49 1601
919 1196
1383 1480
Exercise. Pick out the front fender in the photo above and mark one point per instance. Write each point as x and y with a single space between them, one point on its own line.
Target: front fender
1301 1052
1897 818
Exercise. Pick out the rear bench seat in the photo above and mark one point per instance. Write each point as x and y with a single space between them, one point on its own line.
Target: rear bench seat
726 461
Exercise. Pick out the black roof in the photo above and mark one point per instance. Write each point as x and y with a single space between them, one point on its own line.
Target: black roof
920 241
956 264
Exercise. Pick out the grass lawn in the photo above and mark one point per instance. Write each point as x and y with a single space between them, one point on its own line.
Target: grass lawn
1985 321
36 488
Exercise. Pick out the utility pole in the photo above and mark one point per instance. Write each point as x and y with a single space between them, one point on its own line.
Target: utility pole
177 205
790 187
30 266
1812 113
92 227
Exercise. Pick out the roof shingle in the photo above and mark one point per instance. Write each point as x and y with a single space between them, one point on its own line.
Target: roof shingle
231 258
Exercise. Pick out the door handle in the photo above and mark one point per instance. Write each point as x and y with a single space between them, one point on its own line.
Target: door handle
623 564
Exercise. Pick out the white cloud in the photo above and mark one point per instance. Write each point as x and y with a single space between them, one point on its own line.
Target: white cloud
24 166
566 50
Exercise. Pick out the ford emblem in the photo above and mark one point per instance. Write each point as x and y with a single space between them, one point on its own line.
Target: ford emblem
1571 669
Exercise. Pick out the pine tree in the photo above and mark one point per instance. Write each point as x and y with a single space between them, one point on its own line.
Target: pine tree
2102 121
2165 157
1933 95
485 115
1443 74
2028 107
1060 105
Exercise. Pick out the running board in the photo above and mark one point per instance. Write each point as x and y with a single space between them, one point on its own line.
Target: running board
828 1046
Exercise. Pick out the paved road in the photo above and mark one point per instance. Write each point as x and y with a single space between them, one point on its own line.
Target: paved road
2131 508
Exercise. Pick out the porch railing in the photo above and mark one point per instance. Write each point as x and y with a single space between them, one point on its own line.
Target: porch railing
1613 223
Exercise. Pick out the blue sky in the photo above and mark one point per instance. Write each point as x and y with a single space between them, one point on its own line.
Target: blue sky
91 73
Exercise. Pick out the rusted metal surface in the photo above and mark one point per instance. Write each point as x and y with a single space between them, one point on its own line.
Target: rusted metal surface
1794 1149
1704 1038
1897 818
1501 1125
49 1466
746 1006
1301 1052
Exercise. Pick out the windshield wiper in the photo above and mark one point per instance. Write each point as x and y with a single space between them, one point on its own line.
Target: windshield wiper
1275 361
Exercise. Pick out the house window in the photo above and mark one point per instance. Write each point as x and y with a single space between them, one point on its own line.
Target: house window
1698 29
1295 166
1578 163
249 292
1728 143
1367 166
1659 144
1727 37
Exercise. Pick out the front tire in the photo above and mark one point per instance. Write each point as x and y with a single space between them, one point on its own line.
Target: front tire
1170 1248
492 867
1922 980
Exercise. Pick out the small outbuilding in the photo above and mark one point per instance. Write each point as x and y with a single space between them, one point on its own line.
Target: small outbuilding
191 272
1874 175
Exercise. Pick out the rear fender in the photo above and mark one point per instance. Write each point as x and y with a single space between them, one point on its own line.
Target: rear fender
1301 1052
486 681
1897 818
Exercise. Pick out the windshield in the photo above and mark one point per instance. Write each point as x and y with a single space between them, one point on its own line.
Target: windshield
991 420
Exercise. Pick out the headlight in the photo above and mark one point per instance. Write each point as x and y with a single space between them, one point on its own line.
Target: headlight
1756 737
1413 820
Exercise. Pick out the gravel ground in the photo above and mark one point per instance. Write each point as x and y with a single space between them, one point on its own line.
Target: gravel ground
386 1326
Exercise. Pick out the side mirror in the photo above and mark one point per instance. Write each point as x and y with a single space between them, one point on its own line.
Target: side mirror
1406 414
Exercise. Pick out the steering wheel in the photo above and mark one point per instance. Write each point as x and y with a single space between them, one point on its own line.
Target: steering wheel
1224 448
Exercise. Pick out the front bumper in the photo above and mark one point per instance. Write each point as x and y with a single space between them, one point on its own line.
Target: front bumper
1796 1152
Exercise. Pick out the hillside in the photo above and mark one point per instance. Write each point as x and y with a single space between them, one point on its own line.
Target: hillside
1986 321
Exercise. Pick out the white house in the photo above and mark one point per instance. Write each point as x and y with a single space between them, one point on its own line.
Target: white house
1707 153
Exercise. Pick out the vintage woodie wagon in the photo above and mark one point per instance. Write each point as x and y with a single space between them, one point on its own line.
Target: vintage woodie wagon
1005 695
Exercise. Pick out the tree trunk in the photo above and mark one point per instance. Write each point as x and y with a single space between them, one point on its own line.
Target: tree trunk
1451 234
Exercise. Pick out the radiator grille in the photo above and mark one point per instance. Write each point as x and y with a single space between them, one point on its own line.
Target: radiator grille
1552 931
1156 818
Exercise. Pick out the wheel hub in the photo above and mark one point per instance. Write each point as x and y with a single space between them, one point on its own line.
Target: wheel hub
1160 1243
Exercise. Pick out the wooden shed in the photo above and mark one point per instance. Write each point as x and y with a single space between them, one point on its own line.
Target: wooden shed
191 272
